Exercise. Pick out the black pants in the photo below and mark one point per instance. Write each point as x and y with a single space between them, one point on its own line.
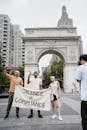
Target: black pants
31 111
10 100
84 114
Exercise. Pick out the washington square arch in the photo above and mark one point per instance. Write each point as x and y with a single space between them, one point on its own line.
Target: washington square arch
62 40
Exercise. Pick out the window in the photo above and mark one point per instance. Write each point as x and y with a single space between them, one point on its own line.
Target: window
4 50
5 28
5 21
4 42
4 38
5 25
4 46
5 31
5 35
4 54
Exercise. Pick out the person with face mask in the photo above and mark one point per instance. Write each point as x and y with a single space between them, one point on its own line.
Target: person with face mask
15 79
34 84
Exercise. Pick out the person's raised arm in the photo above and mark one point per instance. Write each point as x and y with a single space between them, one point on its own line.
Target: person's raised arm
6 74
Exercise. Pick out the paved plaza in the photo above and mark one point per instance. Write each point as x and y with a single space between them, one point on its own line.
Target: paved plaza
70 111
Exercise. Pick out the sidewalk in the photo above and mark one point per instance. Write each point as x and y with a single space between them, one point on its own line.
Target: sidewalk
70 111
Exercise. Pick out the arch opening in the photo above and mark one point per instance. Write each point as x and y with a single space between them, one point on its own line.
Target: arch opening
51 62
51 52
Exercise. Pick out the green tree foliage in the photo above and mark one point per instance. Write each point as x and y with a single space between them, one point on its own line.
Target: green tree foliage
46 79
4 82
57 69
1 70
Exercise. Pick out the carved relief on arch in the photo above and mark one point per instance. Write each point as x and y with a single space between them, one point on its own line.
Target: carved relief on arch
73 54
38 51
30 55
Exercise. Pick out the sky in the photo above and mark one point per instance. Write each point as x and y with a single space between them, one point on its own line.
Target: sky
46 13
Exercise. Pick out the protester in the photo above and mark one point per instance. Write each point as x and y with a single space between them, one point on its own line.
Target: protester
55 97
34 84
81 77
15 79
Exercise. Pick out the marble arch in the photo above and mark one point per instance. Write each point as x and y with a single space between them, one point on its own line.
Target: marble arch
62 40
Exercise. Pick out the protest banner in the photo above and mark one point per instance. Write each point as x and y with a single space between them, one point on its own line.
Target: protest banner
38 99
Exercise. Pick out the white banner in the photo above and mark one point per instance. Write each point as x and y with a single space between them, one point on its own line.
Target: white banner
38 100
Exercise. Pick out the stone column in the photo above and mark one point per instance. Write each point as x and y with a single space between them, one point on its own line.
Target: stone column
69 78
30 63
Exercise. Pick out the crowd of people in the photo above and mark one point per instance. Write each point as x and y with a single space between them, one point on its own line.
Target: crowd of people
36 84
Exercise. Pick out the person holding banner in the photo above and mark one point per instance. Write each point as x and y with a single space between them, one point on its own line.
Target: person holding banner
15 79
34 84
55 97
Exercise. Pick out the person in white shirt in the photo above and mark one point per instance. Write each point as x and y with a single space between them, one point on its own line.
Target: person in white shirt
34 84
81 77
55 97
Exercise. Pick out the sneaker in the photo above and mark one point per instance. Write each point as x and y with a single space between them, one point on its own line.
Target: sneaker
17 115
6 116
60 118
40 116
30 116
54 116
